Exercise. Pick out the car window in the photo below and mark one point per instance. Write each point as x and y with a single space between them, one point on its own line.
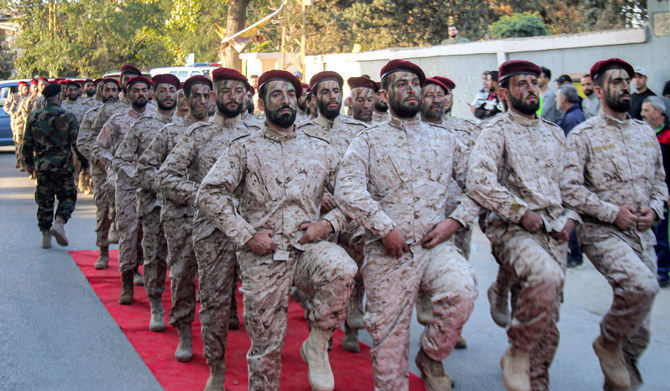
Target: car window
195 73
182 75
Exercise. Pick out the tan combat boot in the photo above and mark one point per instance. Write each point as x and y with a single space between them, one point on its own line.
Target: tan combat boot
314 351
46 239
157 323
612 364
58 231
498 306
184 352
127 288
432 373
103 259
515 366
113 234
350 340
217 377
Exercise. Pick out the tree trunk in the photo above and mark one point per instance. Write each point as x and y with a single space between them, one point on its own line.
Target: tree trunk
235 21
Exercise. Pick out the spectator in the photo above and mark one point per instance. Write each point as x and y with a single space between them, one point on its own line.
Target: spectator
493 104
548 97
655 114
563 80
590 104
641 92
482 95
453 36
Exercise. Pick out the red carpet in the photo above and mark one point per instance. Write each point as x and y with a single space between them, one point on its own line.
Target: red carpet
352 371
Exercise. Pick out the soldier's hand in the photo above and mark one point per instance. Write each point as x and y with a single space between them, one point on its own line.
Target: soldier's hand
315 231
564 235
395 244
646 219
441 232
261 243
531 221
327 203
626 217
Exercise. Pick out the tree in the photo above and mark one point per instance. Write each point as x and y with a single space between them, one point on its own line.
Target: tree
519 25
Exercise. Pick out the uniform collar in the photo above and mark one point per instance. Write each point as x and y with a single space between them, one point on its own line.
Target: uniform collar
614 121
401 123
521 120
163 118
226 122
277 136
325 122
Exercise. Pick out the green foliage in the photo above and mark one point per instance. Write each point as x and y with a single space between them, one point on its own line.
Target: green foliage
519 25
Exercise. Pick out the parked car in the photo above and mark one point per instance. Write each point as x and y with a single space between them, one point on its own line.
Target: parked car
7 87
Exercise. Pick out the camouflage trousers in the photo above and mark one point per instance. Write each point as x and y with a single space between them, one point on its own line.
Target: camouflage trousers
533 267
154 247
392 285
352 241
216 275
183 267
462 240
128 225
632 275
52 186
103 196
323 271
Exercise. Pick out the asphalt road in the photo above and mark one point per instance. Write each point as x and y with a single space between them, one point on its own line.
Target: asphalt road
56 335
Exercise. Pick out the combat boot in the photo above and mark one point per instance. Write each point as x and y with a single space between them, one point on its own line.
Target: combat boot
138 280
314 351
46 239
217 377
350 340
157 322
113 234
58 231
184 352
127 288
432 373
234 321
498 306
612 364
515 366
103 259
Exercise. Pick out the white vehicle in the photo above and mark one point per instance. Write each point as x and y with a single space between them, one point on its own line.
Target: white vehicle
184 73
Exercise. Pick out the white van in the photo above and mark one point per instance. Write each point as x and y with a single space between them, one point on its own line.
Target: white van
184 73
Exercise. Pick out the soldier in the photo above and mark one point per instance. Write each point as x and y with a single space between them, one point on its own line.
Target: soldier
590 104
380 113
125 196
514 172
50 138
614 178
9 107
19 120
178 180
394 180
76 106
137 139
278 199
89 88
104 191
177 218
363 91
182 104
40 103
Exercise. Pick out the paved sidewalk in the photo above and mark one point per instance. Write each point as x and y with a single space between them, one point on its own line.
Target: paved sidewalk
56 335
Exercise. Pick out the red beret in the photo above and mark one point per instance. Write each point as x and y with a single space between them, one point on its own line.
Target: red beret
62 82
379 85
23 83
325 75
75 83
33 81
166 78
281 75
436 81
110 80
362 82
197 79
602 66
402 65
138 79
43 78
228 74
305 87
130 69
517 67
446 81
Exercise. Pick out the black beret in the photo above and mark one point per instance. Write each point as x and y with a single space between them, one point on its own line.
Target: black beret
51 90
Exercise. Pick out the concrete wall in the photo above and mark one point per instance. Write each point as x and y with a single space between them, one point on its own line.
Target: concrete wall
463 63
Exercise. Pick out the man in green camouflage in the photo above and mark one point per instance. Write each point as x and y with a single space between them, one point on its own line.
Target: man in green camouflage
50 138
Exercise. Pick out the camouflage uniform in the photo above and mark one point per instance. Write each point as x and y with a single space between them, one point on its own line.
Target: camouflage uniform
40 102
177 220
20 116
79 109
178 180
112 134
612 163
154 246
515 166
379 117
10 108
396 175
50 137
279 179
339 133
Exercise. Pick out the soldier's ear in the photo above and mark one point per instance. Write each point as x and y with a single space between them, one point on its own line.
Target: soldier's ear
598 91
261 105
384 94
